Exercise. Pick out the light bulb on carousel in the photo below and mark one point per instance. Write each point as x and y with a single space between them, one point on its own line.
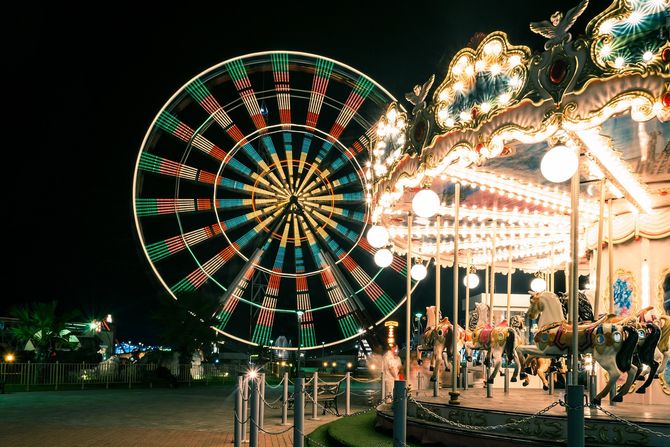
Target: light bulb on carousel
418 272
538 284
378 236
559 163
383 257
425 203
471 280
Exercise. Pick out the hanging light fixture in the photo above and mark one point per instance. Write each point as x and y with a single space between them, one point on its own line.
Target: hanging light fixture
538 284
471 280
425 203
559 163
418 272
383 257
378 236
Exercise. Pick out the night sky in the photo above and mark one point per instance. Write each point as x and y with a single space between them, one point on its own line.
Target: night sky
87 79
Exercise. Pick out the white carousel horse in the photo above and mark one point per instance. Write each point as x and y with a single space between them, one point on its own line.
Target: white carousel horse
612 345
437 338
496 341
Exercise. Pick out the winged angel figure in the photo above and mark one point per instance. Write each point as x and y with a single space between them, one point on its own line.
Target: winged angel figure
556 28
417 97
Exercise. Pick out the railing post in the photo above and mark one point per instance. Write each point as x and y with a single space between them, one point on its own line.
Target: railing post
245 407
298 412
261 407
237 429
253 419
284 402
28 377
551 382
399 413
315 395
56 376
464 371
347 407
81 374
383 391
130 375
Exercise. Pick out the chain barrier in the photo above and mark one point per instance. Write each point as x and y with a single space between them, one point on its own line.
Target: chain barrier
275 386
273 433
632 424
377 379
238 420
488 427
271 404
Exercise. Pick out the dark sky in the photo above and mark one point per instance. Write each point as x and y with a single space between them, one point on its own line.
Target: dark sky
87 79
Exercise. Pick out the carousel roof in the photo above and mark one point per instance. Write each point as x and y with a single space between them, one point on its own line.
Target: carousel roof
501 108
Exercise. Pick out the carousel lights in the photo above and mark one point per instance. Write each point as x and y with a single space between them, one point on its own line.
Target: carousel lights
378 236
647 56
559 163
425 203
471 280
383 257
418 272
538 284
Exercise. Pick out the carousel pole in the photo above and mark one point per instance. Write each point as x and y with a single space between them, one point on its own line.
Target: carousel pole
454 393
508 311
610 254
492 287
467 315
436 384
408 314
575 395
599 254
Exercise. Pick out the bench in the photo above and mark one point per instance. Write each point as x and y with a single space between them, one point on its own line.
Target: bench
327 393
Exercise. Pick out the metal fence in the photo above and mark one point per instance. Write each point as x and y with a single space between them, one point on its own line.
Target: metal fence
86 374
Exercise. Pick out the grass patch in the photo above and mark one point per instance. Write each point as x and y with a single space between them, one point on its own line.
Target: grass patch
352 431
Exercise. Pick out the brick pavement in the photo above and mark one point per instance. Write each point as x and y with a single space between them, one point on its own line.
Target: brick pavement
183 417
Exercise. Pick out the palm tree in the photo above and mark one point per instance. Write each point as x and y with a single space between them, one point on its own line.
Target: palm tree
41 325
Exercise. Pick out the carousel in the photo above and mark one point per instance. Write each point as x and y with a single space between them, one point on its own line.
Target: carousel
542 162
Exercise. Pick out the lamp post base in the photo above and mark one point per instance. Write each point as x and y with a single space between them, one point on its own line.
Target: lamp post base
454 398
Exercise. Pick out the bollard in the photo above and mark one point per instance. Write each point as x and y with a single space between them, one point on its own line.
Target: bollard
253 420
419 382
298 412
506 383
399 413
551 382
436 383
237 429
489 385
284 402
245 407
612 394
315 395
593 386
575 398
261 403
347 407
383 391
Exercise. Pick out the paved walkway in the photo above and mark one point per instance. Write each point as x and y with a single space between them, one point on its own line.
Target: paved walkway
184 417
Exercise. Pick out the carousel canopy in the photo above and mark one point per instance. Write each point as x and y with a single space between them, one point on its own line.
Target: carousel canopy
511 126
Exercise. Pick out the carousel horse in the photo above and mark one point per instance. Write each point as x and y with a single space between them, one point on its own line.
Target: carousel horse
540 366
650 333
496 341
584 310
438 338
612 345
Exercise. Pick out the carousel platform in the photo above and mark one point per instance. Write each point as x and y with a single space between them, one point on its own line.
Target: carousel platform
428 416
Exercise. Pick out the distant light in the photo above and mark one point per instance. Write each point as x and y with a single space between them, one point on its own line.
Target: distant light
9 358
252 373
109 318
349 365
419 315
373 366
325 364
334 364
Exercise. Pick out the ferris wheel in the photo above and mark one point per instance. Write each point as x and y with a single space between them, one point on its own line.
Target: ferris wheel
251 190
